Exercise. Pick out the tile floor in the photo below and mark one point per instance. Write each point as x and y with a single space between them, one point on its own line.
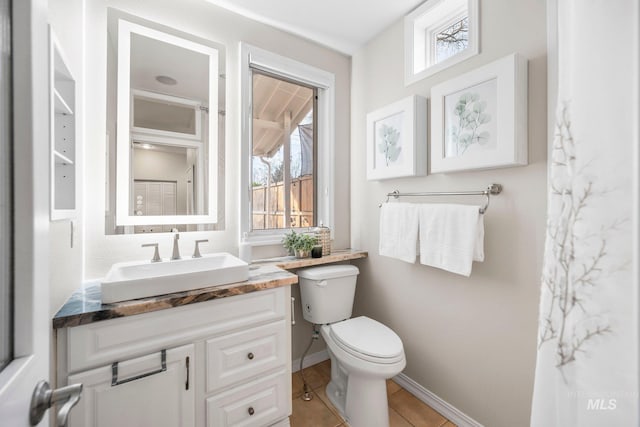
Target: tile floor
405 410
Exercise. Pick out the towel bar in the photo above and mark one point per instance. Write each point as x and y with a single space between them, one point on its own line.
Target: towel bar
492 190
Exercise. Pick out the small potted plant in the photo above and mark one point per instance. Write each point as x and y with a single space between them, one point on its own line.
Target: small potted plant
298 243
304 245
289 241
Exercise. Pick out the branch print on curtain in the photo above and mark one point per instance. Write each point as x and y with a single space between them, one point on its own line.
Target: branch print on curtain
588 331
578 253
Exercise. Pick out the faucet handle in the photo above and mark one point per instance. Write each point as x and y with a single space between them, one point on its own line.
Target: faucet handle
196 250
156 254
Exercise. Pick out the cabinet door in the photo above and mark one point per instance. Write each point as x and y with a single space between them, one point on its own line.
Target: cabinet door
162 399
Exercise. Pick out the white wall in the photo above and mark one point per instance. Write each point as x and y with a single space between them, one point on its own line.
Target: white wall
471 341
66 19
203 20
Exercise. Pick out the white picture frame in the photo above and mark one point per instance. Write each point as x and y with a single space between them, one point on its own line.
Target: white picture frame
479 119
397 139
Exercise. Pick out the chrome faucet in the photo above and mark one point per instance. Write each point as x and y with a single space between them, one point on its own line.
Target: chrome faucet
196 250
176 248
156 255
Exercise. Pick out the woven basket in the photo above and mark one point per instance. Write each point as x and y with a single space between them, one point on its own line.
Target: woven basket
323 235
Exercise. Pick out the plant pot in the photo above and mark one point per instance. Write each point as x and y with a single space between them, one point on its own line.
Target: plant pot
302 253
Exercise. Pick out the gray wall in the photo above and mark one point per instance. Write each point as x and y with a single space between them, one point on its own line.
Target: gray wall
471 341
164 166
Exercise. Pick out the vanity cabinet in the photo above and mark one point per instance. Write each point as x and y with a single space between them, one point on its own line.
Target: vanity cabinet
228 363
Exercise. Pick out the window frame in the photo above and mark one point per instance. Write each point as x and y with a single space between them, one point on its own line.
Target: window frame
421 27
252 57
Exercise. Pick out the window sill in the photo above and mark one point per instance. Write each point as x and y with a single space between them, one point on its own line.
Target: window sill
292 263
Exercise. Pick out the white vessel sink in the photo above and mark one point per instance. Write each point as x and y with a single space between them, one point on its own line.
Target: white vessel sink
140 279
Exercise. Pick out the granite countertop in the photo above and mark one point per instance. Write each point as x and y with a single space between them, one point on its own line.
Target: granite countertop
85 305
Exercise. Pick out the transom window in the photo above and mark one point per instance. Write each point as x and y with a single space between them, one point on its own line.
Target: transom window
454 38
439 34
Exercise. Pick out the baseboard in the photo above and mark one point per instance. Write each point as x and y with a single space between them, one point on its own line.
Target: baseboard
447 410
310 360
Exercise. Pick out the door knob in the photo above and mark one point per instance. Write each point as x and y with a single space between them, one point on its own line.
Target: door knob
44 398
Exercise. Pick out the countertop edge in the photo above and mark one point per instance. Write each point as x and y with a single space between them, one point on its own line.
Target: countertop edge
265 275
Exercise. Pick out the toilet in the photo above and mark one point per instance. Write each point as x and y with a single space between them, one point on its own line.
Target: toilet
364 353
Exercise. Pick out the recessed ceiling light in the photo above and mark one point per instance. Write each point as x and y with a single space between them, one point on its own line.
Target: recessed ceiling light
143 145
166 80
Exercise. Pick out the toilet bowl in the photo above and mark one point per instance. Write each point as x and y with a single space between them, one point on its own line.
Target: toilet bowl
364 353
360 368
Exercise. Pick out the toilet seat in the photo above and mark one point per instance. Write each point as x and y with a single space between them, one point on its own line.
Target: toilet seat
368 340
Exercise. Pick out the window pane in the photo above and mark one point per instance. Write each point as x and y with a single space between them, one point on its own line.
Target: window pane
452 39
6 268
159 115
283 154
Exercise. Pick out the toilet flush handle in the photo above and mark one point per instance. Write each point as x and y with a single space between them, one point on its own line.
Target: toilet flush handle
322 283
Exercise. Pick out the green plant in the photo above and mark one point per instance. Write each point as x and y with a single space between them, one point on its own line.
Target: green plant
306 242
298 242
289 241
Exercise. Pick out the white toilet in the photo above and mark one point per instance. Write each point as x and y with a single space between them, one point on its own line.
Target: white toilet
364 353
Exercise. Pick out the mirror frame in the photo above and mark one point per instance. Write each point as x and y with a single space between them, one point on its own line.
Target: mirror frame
124 134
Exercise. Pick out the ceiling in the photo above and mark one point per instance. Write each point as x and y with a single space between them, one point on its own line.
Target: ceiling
343 25
149 58
277 105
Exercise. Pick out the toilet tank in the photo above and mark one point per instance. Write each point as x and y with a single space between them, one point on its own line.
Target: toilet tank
327 292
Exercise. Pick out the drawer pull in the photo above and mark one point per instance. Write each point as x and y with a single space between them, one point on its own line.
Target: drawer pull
114 371
186 386
250 356
251 411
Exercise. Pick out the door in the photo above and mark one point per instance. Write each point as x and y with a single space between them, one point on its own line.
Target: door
24 136
143 394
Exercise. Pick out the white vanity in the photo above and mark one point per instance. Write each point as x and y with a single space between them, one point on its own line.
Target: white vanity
217 356
165 361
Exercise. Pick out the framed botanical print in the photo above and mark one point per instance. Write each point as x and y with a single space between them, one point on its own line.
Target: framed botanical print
397 139
479 119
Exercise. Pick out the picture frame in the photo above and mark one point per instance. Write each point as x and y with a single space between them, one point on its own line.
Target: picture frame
479 119
397 139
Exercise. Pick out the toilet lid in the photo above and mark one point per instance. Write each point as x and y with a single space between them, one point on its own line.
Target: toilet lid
368 337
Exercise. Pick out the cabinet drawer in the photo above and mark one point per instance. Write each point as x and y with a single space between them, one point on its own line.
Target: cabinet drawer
242 355
118 339
257 403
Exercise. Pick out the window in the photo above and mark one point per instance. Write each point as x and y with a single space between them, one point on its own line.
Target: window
454 38
282 154
287 145
439 34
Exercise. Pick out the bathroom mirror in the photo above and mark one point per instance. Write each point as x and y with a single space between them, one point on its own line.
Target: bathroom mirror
165 129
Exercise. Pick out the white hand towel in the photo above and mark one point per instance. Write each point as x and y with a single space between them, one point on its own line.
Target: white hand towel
451 237
399 231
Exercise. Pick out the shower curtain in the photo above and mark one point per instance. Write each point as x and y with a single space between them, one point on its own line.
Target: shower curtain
587 364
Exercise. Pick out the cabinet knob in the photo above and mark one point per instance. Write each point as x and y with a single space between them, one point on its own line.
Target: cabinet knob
250 356
251 410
